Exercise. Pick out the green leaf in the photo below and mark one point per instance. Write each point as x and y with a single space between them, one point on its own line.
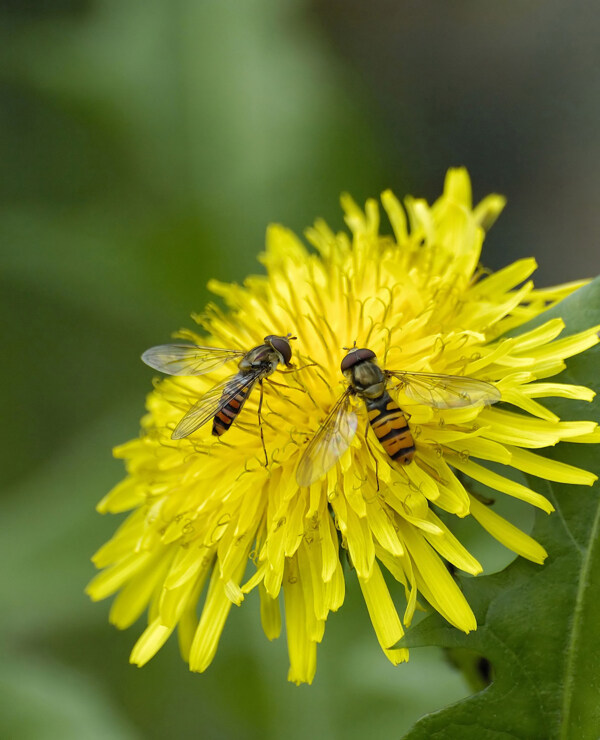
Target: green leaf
539 626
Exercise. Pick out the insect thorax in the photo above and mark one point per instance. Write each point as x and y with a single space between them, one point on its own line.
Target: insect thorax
262 355
367 379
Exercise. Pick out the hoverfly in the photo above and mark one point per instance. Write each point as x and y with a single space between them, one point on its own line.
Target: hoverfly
369 382
224 402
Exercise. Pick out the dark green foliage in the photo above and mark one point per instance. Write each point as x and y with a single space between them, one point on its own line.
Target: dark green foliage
539 626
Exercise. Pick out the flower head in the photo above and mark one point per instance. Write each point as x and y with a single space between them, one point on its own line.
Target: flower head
210 521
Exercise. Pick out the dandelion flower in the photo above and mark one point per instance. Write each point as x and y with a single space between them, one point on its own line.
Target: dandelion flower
210 521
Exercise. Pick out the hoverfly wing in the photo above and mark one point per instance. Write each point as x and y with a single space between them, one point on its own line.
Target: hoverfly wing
212 402
446 391
329 443
188 359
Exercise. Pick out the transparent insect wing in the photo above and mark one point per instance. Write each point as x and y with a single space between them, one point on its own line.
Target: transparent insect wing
445 391
186 359
212 402
329 443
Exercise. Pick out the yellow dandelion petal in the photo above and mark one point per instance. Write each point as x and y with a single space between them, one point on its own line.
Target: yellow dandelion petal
507 533
381 444
150 642
396 215
484 449
135 596
382 611
549 469
212 622
436 583
516 429
327 537
113 578
501 483
591 438
270 614
188 621
446 544
301 648
359 538
487 211
558 390
124 496
568 346
453 496
381 522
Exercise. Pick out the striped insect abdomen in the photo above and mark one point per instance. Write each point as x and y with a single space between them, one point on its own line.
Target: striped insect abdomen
391 428
225 418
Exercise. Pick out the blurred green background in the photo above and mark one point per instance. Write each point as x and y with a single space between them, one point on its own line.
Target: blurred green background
144 146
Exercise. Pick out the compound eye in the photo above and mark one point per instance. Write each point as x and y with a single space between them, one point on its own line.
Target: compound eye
355 356
281 345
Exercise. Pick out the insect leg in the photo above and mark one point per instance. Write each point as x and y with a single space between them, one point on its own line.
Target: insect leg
295 369
260 426
372 454
281 385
